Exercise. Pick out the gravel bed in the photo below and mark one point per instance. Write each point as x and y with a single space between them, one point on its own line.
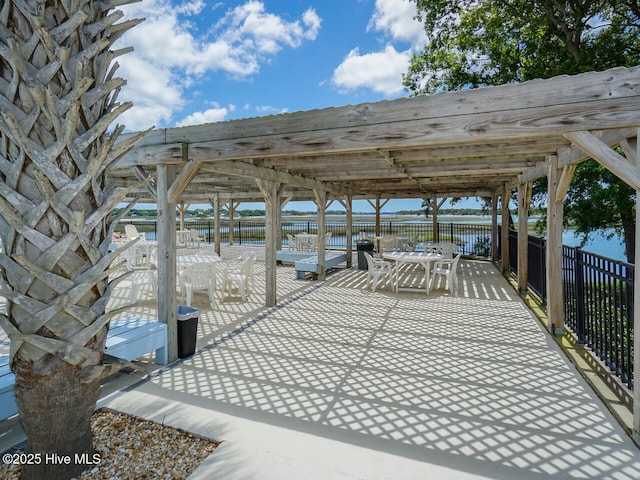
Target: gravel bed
130 448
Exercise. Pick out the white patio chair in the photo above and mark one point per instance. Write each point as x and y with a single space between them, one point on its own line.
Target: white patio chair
199 277
376 268
292 243
388 244
240 276
138 261
195 238
446 250
448 269
132 232
327 240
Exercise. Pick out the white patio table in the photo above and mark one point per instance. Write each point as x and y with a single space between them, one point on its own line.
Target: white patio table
422 258
307 241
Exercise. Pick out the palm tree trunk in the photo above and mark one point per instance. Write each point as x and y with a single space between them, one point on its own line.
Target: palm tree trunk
56 411
58 97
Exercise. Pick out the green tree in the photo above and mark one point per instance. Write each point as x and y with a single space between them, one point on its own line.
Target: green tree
492 42
597 201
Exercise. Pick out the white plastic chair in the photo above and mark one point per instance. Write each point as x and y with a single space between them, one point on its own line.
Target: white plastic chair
132 232
195 238
239 275
377 268
448 269
446 250
292 244
327 240
199 277
138 261
388 244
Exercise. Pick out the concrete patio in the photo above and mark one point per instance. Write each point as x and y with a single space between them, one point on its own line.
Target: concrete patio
336 382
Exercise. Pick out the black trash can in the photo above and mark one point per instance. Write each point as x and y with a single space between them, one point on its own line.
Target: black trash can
187 330
362 246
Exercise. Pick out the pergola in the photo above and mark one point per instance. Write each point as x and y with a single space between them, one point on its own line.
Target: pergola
483 142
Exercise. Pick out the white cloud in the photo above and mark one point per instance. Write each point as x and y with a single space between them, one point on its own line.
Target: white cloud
268 109
170 54
208 116
396 19
378 71
382 71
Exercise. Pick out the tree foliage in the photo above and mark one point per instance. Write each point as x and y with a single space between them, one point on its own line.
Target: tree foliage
493 42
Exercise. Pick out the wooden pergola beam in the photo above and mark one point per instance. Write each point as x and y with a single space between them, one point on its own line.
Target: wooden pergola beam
606 156
245 169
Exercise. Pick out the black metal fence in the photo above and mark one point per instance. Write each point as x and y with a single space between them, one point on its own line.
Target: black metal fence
598 300
472 239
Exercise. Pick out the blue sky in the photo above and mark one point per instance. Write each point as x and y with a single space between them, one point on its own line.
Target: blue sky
196 62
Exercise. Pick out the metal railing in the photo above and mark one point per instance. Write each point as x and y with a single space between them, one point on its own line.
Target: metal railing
598 300
472 239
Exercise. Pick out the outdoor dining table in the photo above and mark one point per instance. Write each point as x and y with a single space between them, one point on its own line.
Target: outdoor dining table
201 257
307 241
400 258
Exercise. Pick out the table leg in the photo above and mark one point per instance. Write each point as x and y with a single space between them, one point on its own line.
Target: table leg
427 267
397 277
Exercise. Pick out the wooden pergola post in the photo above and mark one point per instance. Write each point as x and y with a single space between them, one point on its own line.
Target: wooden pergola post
270 191
348 205
215 203
232 212
182 208
524 202
283 203
494 227
555 305
629 152
377 205
435 207
321 201
504 233
166 258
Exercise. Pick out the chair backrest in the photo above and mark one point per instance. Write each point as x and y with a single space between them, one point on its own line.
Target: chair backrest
447 250
198 275
132 232
195 235
248 263
388 244
370 262
246 255
454 264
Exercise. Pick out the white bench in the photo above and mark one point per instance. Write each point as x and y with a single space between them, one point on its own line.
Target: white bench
310 264
129 338
8 405
133 337
292 255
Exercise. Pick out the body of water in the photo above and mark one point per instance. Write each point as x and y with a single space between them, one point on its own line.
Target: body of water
599 244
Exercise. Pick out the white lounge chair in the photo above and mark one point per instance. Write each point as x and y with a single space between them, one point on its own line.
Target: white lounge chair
132 232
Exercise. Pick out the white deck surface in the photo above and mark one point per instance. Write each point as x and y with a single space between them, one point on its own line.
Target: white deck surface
337 382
